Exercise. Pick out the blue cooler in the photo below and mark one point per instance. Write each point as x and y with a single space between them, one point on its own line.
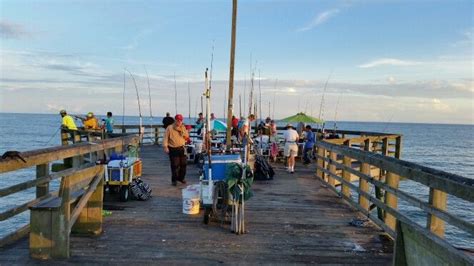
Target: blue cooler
219 165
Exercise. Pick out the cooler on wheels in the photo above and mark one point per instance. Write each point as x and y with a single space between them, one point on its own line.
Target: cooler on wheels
120 174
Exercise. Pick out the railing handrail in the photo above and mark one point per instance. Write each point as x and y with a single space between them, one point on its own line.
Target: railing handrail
456 185
42 156
280 128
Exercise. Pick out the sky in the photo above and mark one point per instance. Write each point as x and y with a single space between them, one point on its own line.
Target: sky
384 61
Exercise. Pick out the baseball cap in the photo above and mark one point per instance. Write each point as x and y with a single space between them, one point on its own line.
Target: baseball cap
179 117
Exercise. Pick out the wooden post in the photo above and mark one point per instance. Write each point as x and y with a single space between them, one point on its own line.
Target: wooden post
391 200
230 103
437 199
42 170
346 175
332 168
64 137
320 163
89 221
157 134
398 147
363 184
60 223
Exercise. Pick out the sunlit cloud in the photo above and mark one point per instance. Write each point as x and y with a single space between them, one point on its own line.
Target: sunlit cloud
389 62
319 19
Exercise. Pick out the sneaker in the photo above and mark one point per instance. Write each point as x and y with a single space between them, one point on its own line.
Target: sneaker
292 172
173 183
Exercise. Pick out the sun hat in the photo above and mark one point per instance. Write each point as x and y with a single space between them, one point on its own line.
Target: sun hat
289 125
62 111
179 117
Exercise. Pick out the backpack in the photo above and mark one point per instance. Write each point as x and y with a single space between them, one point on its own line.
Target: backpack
263 170
140 190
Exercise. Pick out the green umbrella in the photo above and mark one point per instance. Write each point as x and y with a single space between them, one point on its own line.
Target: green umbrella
302 117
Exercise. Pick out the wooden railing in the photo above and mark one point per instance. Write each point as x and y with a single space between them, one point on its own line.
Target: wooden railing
337 162
42 159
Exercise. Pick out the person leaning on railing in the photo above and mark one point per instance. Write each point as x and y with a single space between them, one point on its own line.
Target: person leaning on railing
67 121
174 140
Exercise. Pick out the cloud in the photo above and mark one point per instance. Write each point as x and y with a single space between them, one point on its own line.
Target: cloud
319 19
10 30
467 39
389 62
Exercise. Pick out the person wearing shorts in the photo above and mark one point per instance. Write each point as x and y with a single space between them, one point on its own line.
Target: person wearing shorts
291 146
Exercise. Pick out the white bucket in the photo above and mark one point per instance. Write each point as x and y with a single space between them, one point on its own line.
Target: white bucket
191 199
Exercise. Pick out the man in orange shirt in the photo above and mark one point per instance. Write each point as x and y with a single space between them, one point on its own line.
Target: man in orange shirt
174 140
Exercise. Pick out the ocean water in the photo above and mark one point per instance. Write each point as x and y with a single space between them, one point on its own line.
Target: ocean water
446 147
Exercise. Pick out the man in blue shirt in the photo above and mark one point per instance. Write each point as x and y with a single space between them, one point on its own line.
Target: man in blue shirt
309 144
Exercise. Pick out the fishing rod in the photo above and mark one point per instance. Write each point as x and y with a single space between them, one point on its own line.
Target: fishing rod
149 99
260 94
245 94
240 105
189 101
138 100
335 111
321 115
274 99
123 99
225 101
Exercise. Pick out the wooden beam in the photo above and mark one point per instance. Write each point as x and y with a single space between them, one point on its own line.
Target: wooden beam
439 200
345 174
363 183
391 200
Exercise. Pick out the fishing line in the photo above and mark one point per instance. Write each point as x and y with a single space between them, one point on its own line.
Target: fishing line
57 130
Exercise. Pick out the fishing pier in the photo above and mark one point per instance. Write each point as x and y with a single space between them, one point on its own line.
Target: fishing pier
296 218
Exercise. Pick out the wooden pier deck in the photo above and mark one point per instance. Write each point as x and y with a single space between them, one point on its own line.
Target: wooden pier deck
293 219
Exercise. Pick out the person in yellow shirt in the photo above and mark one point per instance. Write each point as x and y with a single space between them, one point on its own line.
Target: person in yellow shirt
67 121
90 121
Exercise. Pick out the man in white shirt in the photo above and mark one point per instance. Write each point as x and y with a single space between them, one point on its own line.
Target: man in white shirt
291 146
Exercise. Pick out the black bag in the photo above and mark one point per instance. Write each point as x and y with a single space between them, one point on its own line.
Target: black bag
140 190
263 170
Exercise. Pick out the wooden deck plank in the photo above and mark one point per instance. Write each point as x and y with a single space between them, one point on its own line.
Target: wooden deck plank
292 219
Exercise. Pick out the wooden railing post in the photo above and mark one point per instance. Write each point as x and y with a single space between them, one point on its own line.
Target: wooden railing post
332 168
320 163
437 199
363 184
42 170
64 137
346 175
398 147
157 134
391 200
60 222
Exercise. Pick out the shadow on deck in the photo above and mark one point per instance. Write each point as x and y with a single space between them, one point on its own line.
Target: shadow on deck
292 219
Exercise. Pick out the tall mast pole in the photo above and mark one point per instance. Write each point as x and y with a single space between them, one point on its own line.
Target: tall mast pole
175 95
231 74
